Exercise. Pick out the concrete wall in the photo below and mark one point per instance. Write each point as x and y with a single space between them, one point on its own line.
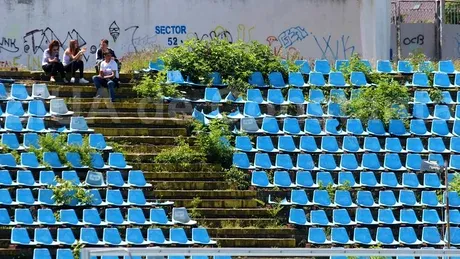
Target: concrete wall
309 28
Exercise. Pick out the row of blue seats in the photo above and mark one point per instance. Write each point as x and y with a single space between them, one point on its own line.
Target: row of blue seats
19 92
348 162
387 198
304 179
113 197
111 236
10 140
363 216
424 97
93 179
30 161
13 123
36 108
91 217
375 127
351 144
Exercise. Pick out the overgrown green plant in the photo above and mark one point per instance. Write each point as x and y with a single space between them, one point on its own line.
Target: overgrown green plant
416 57
214 141
65 192
383 102
181 156
4 149
238 179
76 249
332 189
355 65
196 202
435 94
454 185
137 60
155 87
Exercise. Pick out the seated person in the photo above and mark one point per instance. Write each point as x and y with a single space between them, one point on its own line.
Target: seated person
72 61
108 75
100 57
51 63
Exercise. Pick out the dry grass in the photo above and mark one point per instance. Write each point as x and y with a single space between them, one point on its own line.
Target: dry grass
136 61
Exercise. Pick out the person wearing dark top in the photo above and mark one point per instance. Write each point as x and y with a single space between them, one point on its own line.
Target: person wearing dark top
100 55
51 63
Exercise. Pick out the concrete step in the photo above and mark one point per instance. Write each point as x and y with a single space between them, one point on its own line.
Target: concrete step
141 122
181 176
217 203
203 194
175 168
224 223
189 185
134 132
116 114
254 232
233 212
151 140
256 242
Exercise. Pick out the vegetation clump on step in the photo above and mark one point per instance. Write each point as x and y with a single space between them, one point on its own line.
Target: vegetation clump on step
238 179
181 156
137 60
66 192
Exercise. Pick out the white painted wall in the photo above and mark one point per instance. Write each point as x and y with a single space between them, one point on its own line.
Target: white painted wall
311 28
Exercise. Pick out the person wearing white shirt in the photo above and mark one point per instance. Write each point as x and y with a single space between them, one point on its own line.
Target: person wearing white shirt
108 75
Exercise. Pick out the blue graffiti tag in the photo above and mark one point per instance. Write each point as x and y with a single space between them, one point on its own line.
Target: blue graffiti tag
288 37
328 47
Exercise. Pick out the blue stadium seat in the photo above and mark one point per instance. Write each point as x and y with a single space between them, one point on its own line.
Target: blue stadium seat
200 236
316 79
69 217
364 216
283 180
456 81
299 197
386 217
111 236
419 80
243 143
329 144
438 158
158 217
447 98
321 198
420 111
91 217
385 66
308 144
249 125
370 161
286 144
305 180
335 110
316 96
45 197
136 179
415 145
319 218
270 126
4 95
46 217
430 199
431 180
14 108
276 80
156 236
25 197
456 128
305 162
385 236
313 127
388 199
336 79
351 144
375 127
304 66
180 216
19 236
114 197
37 109
436 145
97 142
327 162
257 79
89 236
41 253
252 109
347 178
441 80
136 198
426 67
349 162
296 96
408 236
42 236
298 217
431 217
115 179
178 236
388 179
358 79
26 178
322 66
407 198
5 219
454 162
367 179
341 64
30 140
405 67
442 112
8 161
255 96
422 97
393 162
454 216
260 179
339 236
232 98
275 96
75 139
372 144
52 159
296 79
410 180
317 236
19 92
332 127
58 107
397 128
117 161
454 199
325 179
24 217
74 159
13 124
394 145
11 141
454 236
5 178
78 124
64 253
134 236
431 236
136 217
340 217
343 199
314 110
36 125
413 162
241 160
362 236
211 95
262 160
408 217
446 66
418 128
291 126
113 216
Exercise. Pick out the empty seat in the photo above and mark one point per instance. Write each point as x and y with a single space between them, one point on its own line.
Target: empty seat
316 79
386 217
304 66
349 162
114 197
363 216
37 108
393 162
363 236
40 91
413 162
59 108
397 128
30 140
431 216
317 236
329 144
332 127
336 79
341 64
446 66
388 199
270 126
78 124
19 236
314 110
385 236
36 125
178 236
343 199
89 236
436 145
340 236
260 179
442 112
113 216
24 217
298 217
286 144
407 198
117 161
97 142
405 67
305 180
158 217
256 79
347 178
440 128
370 161
136 198
372 144
410 180
156 236
19 92
296 79
249 125
422 97
407 236
321 198
431 180
441 80
262 160
200 236
180 216
385 66
324 179
136 217
305 162
430 199
296 96
282 179
418 128
322 66
275 96
431 236
276 80
111 236
25 178
241 160
415 145
5 219
298 197
316 96
25 197
393 145
375 127
388 179
291 126
327 162
358 79
52 159
11 141
46 217
243 143
365 199
41 253
313 127
13 124
342 218
407 216
14 108
368 179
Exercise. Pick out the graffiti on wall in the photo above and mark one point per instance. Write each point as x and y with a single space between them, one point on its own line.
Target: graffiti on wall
9 45
338 49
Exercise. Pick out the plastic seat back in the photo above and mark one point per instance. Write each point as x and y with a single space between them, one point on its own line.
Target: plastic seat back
322 66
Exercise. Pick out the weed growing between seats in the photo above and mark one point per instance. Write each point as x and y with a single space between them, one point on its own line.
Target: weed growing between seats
196 202
238 179
181 157
155 87
454 185
332 189
65 192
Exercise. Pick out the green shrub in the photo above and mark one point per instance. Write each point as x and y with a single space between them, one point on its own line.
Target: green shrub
182 155
65 192
454 185
214 141
136 61
238 179
435 94
355 65
155 87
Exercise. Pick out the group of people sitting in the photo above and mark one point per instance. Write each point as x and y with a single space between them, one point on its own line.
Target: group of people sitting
107 65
